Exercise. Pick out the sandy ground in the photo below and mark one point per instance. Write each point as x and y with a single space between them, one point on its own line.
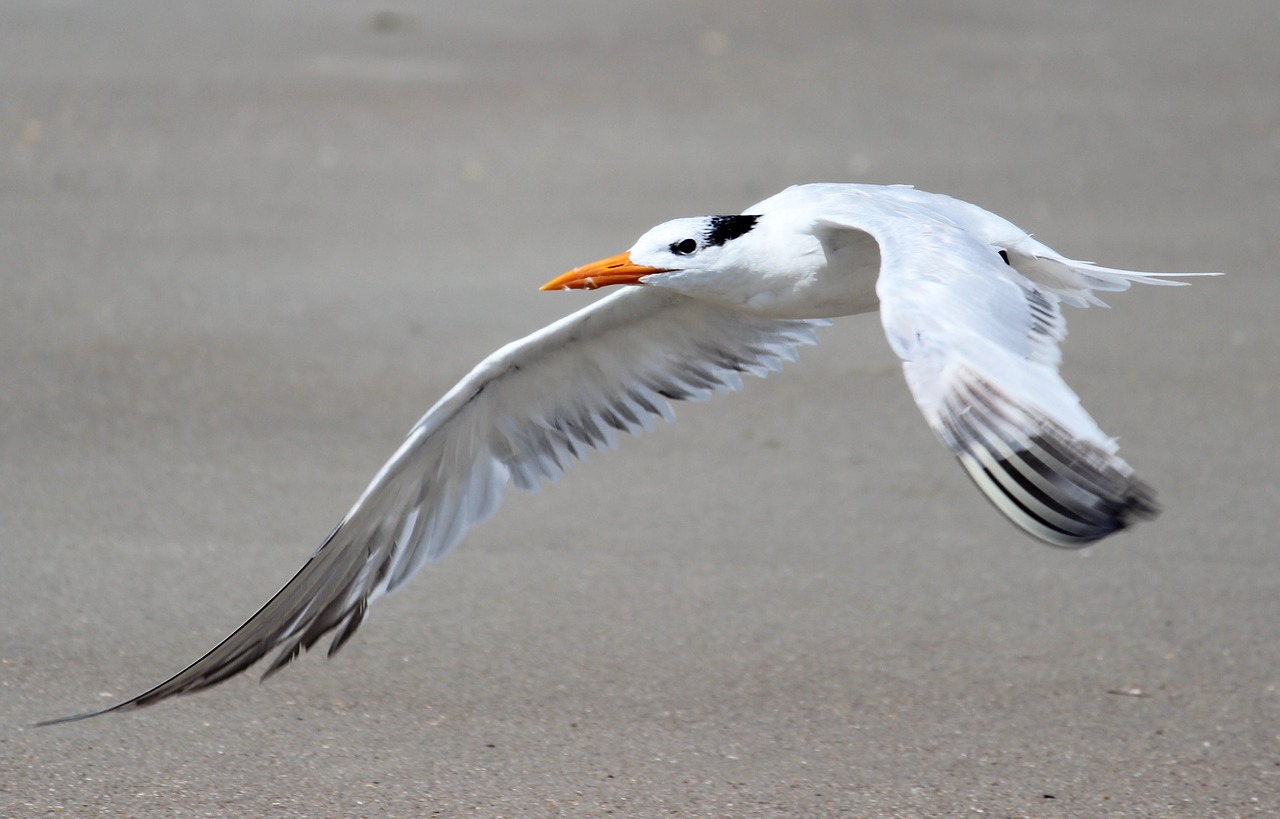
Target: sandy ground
245 245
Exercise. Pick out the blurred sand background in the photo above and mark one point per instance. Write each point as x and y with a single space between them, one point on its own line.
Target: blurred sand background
245 245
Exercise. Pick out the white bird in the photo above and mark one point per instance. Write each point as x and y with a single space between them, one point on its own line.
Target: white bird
969 302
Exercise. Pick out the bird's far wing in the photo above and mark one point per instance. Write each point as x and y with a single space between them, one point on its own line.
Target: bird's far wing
980 350
1072 281
525 413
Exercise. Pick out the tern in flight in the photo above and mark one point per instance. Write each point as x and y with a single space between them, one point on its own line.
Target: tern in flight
969 302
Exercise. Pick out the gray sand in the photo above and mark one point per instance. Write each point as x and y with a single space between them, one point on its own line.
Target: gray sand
245 245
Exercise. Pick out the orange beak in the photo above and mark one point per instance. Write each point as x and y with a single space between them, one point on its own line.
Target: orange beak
613 270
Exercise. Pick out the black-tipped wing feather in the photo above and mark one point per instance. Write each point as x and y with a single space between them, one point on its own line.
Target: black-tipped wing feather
1059 488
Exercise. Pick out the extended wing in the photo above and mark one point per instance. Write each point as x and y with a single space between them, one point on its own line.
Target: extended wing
525 413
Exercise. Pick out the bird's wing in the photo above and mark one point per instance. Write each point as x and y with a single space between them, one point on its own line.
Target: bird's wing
1074 282
980 348
525 413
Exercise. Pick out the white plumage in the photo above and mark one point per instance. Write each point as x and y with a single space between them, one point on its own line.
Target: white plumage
969 302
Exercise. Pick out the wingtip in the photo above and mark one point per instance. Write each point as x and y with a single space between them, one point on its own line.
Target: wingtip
1139 504
45 723
1056 486
1056 515
77 717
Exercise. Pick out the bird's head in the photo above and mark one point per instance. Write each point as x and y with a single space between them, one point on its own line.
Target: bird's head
677 254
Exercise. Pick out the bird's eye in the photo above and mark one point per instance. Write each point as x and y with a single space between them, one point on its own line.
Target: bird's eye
684 247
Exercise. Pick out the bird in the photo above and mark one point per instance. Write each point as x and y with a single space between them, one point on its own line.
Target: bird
969 302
